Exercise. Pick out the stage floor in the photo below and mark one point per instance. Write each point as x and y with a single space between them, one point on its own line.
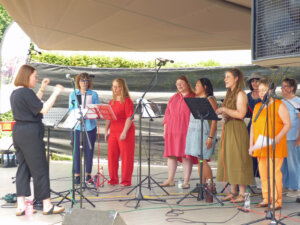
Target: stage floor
148 212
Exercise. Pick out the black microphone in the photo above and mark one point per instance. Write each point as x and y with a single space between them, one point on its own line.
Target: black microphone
165 60
68 76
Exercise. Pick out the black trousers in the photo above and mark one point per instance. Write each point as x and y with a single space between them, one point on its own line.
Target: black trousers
31 155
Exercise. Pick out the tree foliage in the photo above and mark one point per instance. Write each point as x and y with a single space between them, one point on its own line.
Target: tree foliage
5 20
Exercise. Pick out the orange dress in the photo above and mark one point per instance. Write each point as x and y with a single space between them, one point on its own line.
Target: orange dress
260 128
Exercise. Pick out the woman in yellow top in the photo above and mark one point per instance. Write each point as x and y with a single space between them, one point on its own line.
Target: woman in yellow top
282 125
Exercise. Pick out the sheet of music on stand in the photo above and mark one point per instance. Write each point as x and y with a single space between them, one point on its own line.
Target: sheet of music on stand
103 112
70 120
54 116
149 109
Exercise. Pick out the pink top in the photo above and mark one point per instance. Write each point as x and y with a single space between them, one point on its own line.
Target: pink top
177 118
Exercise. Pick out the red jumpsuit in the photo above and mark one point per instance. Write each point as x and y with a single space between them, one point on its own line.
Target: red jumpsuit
125 147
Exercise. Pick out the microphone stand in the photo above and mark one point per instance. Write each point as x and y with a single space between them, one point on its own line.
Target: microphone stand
152 83
265 103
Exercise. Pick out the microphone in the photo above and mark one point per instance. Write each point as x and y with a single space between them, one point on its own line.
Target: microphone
68 76
161 60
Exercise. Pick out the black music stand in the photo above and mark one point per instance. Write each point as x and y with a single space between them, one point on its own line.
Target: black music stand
149 110
201 110
51 119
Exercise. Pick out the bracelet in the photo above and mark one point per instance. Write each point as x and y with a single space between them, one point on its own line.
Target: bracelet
210 137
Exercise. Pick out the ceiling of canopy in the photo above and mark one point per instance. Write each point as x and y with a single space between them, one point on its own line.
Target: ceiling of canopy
134 25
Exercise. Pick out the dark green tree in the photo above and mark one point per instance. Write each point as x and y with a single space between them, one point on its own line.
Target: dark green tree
5 20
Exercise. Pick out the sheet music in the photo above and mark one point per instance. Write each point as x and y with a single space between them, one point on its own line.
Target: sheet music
261 142
71 119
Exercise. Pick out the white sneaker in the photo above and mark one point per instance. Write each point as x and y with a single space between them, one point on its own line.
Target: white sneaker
293 194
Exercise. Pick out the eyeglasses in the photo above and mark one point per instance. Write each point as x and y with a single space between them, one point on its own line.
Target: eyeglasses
254 80
82 80
285 86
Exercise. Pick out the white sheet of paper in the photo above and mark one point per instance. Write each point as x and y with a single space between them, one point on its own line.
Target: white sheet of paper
261 142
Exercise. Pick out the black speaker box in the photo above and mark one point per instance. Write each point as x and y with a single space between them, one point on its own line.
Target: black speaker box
276 32
93 217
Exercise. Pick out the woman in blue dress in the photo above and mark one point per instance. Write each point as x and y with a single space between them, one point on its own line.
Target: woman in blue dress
204 89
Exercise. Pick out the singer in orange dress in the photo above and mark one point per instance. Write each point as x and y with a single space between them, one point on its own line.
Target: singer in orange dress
121 139
259 127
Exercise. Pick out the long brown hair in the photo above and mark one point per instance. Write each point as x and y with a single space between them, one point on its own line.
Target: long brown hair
124 90
22 78
184 78
231 96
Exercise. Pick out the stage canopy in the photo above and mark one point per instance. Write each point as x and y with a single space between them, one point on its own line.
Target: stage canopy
134 25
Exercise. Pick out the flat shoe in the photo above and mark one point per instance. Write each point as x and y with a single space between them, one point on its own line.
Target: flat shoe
52 211
125 185
22 213
185 186
228 197
167 184
261 205
238 199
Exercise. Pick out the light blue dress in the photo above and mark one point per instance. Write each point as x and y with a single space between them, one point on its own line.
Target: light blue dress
193 138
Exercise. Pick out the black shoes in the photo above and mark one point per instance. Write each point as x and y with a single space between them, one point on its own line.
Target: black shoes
77 180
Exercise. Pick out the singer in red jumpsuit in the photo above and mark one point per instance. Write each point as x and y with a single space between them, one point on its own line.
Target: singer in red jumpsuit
121 139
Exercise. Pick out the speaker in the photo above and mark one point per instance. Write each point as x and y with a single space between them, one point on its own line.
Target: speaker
276 32
93 217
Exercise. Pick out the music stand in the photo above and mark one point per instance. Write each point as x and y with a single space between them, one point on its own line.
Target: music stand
98 112
70 121
201 110
149 110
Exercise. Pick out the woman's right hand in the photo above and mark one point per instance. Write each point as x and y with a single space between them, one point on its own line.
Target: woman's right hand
58 89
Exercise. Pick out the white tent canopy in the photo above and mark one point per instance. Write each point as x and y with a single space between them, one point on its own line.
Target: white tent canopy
134 25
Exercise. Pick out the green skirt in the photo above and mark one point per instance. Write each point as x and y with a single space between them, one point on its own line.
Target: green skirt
234 158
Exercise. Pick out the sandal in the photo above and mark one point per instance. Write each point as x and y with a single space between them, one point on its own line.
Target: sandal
167 184
21 212
229 197
261 205
52 211
185 186
238 199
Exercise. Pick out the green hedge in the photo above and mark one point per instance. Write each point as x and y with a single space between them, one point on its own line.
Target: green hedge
108 62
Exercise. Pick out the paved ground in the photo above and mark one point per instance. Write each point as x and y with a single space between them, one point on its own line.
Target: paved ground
148 212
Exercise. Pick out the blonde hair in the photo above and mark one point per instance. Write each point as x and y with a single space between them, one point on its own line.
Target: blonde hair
231 96
22 78
124 90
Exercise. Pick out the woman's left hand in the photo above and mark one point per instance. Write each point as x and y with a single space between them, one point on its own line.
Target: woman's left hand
208 143
123 136
219 110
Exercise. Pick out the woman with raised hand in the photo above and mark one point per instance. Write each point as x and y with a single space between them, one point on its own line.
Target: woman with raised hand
234 162
176 122
120 134
203 89
28 134
259 129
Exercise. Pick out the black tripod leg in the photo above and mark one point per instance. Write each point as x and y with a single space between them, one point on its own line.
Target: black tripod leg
159 185
86 199
190 193
214 196
137 186
251 189
224 188
65 197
